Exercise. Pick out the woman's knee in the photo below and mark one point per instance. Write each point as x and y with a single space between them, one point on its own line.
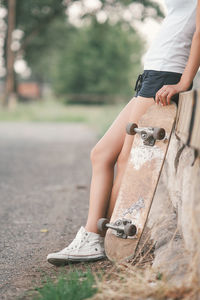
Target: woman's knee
94 153
101 155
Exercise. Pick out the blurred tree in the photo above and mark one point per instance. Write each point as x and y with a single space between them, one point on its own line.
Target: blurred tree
34 17
9 87
98 59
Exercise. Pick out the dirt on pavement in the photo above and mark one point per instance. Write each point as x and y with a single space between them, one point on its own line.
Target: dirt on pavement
45 174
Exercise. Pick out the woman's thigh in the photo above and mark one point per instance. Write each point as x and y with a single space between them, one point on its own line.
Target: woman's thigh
115 141
139 107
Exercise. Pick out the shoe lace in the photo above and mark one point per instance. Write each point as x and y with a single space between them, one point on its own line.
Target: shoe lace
76 243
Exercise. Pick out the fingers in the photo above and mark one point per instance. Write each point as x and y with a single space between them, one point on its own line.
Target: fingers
163 96
169 96
159 95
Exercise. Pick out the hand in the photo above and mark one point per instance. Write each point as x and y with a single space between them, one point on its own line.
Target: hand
165 94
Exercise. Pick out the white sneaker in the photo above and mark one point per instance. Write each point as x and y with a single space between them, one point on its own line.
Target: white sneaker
87 246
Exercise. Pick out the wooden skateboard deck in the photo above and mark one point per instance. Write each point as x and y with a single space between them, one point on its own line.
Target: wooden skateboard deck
139 182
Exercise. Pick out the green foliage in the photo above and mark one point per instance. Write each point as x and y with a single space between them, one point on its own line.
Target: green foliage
34 16
42 49
99 59
95 59
33 13
75 285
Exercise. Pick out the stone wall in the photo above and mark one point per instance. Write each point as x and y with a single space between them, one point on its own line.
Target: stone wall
174 218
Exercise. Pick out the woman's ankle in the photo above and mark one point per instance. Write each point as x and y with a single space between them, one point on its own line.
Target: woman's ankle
91 228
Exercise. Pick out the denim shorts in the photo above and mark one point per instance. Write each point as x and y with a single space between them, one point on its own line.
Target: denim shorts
151 81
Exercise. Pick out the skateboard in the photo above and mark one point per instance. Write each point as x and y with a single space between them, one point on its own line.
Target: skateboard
151 138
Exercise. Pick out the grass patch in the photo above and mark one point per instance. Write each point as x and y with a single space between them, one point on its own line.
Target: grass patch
76 285
134 283
98 117
41 111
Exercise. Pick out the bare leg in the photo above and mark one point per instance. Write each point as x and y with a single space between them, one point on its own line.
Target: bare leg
115 143
139 107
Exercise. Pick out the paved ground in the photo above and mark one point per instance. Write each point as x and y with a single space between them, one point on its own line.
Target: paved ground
44 186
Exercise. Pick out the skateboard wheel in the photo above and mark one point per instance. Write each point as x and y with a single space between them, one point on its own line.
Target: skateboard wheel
159 133
101 224
130 229
130 128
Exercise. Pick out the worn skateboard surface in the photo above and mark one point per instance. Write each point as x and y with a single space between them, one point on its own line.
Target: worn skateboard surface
139 182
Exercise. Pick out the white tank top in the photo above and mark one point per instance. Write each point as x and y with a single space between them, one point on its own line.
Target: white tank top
171 48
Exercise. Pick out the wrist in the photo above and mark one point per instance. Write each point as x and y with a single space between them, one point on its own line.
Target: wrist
183 85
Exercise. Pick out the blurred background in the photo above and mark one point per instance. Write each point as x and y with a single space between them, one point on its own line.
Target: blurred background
65 60
67 68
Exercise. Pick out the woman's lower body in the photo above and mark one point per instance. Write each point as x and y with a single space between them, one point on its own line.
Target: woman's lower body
112 149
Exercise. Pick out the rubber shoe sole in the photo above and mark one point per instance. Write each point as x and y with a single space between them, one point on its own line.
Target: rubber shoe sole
65 261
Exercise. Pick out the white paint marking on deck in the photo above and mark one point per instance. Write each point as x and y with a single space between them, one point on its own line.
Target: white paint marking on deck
133 212
135 207
142 154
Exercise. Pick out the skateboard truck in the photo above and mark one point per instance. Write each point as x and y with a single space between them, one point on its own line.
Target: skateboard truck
149 135
123 227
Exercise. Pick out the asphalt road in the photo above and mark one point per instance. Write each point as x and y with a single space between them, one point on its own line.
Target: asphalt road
45 173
